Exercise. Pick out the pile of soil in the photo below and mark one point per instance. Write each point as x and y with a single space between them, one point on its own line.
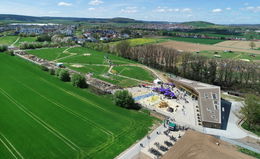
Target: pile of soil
195 145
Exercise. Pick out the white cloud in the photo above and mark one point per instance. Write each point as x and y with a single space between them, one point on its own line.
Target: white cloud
64 4
91 9
186 10
228 8
166 9
217 10
129 10
95 2
253 9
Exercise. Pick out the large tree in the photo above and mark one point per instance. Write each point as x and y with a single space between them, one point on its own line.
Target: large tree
251 111
64 75
252 45
124 99
78 81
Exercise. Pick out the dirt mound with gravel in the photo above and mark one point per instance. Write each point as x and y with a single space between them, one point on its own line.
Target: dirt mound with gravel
195 145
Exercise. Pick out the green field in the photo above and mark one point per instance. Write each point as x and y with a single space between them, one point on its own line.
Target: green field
95 69
232 55
49 53
42 117
145 41
25 39
194 40
7 40
89 56
134 72
94 62
142 41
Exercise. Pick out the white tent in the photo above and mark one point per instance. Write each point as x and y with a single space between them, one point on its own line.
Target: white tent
157 81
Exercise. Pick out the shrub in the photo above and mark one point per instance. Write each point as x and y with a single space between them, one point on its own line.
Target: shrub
11 53
78 81
52 72
43 38
57 72
64 75
124 99
44 68
3 48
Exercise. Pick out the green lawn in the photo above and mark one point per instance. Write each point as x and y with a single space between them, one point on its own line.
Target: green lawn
195 40
49 53
134 72
42 117
25 39
142 41
94 62
89 56
230 55
96 70
145 41
7 40
119 81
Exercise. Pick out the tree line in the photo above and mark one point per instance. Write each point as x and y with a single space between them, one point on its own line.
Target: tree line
228 73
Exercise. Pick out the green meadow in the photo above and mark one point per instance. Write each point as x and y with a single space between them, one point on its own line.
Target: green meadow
42 117
7 40
195 40
230 55
134 72
97 63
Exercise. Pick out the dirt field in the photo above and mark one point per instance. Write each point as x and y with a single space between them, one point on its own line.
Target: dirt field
195 145
237 44
192 47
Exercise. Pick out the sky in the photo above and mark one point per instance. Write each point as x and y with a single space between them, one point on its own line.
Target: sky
216 11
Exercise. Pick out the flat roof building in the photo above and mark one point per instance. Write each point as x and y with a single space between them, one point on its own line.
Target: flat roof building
209 100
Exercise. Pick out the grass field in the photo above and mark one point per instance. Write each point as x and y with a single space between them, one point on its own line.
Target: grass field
142 41
134 72
93 57
42 117
25 39
92 61
194 40
228 55
96 70
145 41
49 53
7 40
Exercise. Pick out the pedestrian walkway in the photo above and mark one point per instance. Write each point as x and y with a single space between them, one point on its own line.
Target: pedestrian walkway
239 144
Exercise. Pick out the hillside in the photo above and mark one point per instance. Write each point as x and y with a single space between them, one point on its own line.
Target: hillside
199 24
7 18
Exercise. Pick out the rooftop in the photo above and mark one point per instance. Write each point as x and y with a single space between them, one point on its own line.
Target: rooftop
208 98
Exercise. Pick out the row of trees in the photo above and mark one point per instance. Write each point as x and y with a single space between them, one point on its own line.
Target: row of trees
77 80
228 73
121 98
